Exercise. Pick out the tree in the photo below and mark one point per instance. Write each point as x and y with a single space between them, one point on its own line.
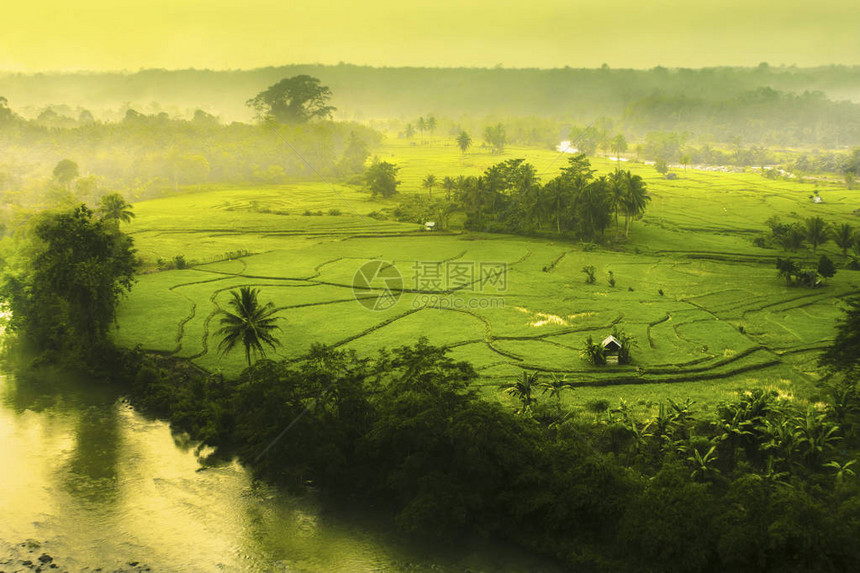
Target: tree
114 207
826 268
422 125
661 166
428 183
381 178
65 172
619 146
593 352
449 184
293 100
685 160
843 355
844 238
495 136
410 131
634 199
589 274
787 269
464 140
816 232
523 390
354 155
850 177
251 323
65 299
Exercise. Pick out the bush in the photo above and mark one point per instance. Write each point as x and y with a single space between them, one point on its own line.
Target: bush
589 272
179 262
334 212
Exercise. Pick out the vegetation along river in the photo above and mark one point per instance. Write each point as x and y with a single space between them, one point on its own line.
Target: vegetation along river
88 483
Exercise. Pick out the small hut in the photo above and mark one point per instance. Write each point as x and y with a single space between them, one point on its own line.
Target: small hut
430 226
611 349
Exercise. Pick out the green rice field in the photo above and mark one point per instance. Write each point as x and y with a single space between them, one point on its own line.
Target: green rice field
705 306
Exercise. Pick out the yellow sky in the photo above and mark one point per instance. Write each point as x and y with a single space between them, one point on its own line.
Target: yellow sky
219 34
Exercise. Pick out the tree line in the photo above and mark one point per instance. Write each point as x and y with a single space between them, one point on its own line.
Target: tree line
510 197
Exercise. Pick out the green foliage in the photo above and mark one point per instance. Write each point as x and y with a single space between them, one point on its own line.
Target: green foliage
113 207
496 137
293 100
844 354
251 323
354 155
589 271
844 237
661 166
381 178
816 232
826 268
593 353
464 141
64 299
65 172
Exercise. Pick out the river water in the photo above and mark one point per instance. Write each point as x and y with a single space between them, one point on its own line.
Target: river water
90 482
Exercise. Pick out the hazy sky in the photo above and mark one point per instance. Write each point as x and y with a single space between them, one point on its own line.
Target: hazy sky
123 34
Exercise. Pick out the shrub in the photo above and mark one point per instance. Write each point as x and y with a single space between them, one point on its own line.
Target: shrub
589 271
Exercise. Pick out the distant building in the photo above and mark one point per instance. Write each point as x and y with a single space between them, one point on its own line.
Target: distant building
611 349
430 226
817 199
671 176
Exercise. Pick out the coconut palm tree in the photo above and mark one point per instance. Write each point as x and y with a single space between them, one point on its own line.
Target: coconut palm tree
816 232
428 183
523 390
114 207
844 237
251 323
464 140
635 200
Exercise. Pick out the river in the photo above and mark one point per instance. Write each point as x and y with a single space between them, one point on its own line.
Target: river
90 483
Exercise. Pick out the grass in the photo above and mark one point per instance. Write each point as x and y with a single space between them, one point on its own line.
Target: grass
723 322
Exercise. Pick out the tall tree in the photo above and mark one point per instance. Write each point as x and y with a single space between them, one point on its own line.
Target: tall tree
428 183
844 354
65 172
293 100
496 137
251 323
65 299
114 207
816 232
464 140
619 146
844 237
635 199
381 178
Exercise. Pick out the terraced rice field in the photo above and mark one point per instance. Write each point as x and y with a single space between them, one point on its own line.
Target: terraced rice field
723 321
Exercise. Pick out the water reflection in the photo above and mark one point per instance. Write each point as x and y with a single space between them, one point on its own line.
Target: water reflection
99 485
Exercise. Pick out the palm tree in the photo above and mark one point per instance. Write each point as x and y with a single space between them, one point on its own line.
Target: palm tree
635 201
523 390
252 324
114 207
554 387
449 184
428 183
816 232
464 140
844 238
